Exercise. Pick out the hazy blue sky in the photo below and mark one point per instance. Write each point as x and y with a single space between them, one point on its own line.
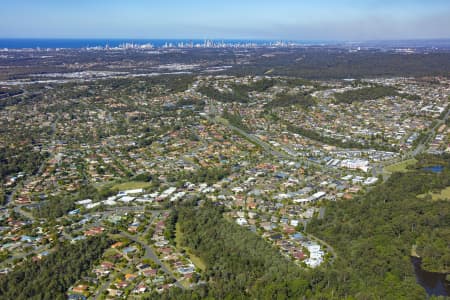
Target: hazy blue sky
260 19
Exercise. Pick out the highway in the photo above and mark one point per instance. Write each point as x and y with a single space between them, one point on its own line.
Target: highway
265 146
420 148
432 132
269 148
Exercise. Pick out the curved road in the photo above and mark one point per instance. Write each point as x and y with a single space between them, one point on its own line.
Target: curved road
10 196
149 253
330 249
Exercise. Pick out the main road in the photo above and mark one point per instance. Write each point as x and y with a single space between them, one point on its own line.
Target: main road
266 146
420 148
431 133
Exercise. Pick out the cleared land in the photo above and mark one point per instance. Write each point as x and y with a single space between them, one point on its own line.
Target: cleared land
442 195
196 260
131 185
402 166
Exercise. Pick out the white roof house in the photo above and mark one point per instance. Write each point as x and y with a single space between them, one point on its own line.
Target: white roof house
241 221
127 199
133 192
84 202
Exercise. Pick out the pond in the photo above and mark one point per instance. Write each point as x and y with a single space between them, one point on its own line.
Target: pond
433 283
434 169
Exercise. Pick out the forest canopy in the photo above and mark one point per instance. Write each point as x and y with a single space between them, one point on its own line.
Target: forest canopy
54 275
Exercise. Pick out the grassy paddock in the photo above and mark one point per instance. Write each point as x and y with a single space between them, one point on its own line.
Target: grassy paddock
402 166
442 195
131 185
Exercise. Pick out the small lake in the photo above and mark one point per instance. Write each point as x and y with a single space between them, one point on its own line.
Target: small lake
434 169
433 283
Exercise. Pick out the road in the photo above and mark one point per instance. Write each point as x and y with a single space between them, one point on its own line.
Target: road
322 212
10 196
269 148
329 248
118 162
278 154
18 209
100 291
22 255
420 148
432 132
265 146
149 253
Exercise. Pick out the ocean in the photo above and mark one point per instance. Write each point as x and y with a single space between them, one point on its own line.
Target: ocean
83 43
28 43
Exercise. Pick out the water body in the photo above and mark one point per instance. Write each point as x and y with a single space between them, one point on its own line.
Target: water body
83 43
434 169
76 43
433 283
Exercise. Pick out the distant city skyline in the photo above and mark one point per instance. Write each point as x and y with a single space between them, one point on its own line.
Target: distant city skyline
233 19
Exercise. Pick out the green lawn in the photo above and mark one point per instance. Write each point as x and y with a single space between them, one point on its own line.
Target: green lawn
110 252
131 185
401 167
442 195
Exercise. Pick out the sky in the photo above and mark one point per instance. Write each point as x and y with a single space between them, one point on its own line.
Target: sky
230 19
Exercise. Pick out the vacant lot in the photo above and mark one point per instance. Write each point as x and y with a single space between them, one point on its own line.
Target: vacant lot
401 167
442 195
131 185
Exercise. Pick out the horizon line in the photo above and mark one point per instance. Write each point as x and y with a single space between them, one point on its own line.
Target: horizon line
224 39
